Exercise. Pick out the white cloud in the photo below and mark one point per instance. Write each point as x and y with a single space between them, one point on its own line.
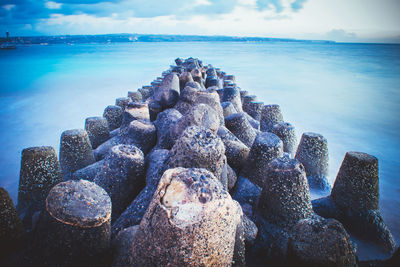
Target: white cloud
8 7
53 5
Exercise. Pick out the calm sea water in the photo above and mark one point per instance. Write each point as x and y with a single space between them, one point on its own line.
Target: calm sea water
350 93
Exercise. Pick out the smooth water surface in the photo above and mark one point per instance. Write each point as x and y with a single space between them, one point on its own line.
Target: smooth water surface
350 93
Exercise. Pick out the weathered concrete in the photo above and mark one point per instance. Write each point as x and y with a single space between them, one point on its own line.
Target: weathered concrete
113 115
270 115
285 132
97 129
239 125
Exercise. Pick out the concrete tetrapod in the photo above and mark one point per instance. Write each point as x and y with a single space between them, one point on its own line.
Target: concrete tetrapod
113 115
40 171
75 152
285 132
312 152
354 200
239 125
97 129
75 226
270 115
191 221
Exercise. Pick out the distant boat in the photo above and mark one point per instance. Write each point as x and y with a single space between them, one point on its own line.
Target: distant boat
7 46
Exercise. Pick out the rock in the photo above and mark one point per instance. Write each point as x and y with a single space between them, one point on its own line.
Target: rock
135 96
199 147
246 100
266 147
168 93
239 253
75 226
246 192
285 132
243 93
236 152
211 99
250 230
270 115
228 109
89 172
232 178
285 198
146 93
122 102
155 166
320 242
184 78
241 128
141 133
312 152
122 176
254 108
75 152
102 150
199 115
113 115
121 244
154 109
164 123
97 129
40 171
12 232
230 78
254 123
232 94
191 221
179 61
135 111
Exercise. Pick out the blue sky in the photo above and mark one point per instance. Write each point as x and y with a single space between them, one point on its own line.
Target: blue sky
339 20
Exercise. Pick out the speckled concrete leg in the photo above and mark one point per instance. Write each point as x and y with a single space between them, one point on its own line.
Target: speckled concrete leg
270 115
239 125
113 115
97 129
232 94
254 109
75 152
285 132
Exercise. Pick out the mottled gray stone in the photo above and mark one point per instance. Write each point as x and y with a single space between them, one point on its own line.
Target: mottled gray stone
228 109
122 244
254 109
266 147
122 176
89 172
141 133
232 178
270 115
232 94
75 152
230 77
75 227
40 171
285 132
285 198
254 123
199 147
122 102
191 221
97 129
320 242
243 93
184 78
236 152
246 100
168 93
164 123
135 96
239 125
102 150
12 231
135 111
113 115
312 152
246 192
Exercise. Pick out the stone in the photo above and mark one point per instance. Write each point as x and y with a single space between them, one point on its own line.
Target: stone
312 152
75 226
320 242
102 150
246 192
285 132
134 213
40 171
239 125
184 78
270 115
168 93
246 99
113 115
154 108
122 176
191 221
199 147
254 108
141 133
122 102
250 230
211 99
75 152
243 93
97 129
199 115
12 232
146 93
230 78
89 172
122 244
228 109
135 96
285 197
236 152
179 61
232 178
164 123
266 147
254 123
232 94
135 111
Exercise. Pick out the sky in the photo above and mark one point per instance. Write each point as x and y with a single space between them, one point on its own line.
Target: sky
337 20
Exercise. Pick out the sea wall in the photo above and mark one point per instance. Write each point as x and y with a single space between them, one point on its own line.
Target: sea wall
190 170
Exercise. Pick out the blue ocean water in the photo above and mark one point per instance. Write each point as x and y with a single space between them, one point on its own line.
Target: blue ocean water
350 93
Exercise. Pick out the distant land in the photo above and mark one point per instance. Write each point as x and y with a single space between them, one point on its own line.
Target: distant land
129 38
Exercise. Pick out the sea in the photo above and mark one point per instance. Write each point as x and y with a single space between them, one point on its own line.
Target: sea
349 93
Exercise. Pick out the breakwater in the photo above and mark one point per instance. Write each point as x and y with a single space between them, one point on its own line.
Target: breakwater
177 153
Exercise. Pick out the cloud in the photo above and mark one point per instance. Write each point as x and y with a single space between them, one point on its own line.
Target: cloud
53 5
